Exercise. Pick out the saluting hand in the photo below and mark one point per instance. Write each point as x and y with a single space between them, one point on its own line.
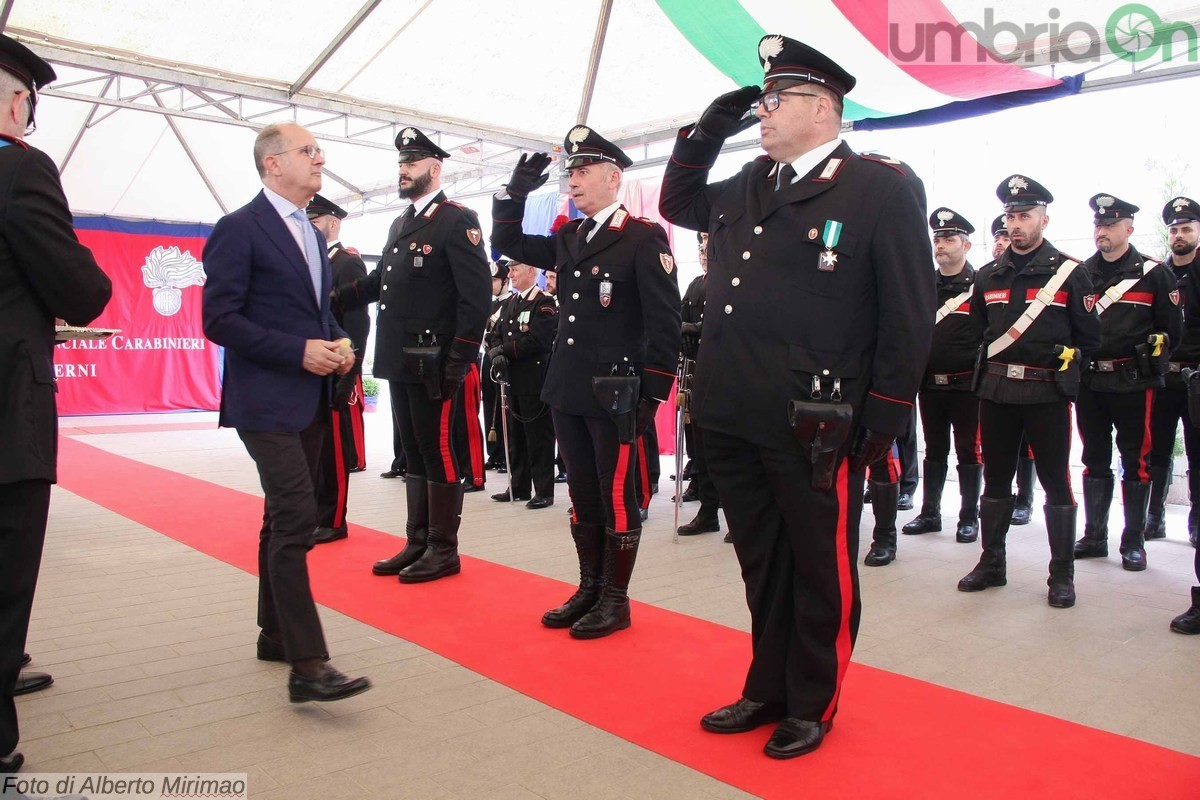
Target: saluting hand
529 174
322 357
727 115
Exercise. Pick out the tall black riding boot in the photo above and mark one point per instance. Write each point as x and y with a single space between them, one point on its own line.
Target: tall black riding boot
1156 513
589 545
995 515
611 613
1097 500
1023 506
883 541
930 518
1060 530
441 550
1133 547
1189 621
970 481
416 528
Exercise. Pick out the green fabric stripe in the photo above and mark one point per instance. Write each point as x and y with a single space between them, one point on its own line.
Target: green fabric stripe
725 34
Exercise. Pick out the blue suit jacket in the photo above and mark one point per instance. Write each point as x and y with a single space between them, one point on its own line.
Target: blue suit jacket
259 305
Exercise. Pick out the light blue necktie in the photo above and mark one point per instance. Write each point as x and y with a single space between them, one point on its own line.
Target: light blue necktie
309 235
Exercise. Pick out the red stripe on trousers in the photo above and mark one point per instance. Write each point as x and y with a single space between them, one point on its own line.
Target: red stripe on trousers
842 644
445 425
341 469
643 472
356 427
1143 471
472 399
893 467
620 513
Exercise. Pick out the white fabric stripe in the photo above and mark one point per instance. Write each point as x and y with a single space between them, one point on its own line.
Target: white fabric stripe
1035 309
953 303
1115 292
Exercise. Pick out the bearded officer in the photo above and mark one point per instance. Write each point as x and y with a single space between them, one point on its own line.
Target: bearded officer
1035 309
433 289
946 400
1138 305
344 448
613 361
819 314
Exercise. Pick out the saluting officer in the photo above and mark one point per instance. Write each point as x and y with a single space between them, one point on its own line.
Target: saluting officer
344 448
818 322
1138 306
618 296
1035 309
946 400
520 352
433 288
1181 215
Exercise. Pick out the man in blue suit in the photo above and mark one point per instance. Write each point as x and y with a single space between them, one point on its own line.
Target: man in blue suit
266 302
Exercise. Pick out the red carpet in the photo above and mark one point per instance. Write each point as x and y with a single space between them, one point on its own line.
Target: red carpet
161 427
896 736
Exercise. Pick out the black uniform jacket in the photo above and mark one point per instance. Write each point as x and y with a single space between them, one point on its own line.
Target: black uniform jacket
432 282
1149 306
775 318
1186 352
618 303
525 328
348 267
693 300
44 273
955 339
1001 296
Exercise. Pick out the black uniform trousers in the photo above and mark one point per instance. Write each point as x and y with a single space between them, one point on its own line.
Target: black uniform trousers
399 462
887 469
798 550
601 471
1098 413
706 490
649 466
340 454
906 450
468 434
491 413
287 469
427 430
530 446
944 411
1170 408
1047 429
25 507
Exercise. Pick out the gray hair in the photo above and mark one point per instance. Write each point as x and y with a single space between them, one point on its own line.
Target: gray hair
267 143
10 84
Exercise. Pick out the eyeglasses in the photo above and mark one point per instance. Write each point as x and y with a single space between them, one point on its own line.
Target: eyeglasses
771 99
310 150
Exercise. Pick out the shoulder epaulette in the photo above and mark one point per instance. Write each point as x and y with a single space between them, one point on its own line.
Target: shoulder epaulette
880 158
352 251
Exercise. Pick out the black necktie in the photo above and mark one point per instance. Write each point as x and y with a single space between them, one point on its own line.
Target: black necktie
410 214
786 175
582 234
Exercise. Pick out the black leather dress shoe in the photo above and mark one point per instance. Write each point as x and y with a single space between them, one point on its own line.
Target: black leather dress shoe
11 763
795 737
700 525
392 473
324 535
905 502
644 513
728 537
539 501
269 649
472 487
357 469
25 660
560 477
332 685
744 715
503 497
29 682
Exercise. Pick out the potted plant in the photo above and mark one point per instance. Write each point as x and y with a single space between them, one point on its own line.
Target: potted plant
370 393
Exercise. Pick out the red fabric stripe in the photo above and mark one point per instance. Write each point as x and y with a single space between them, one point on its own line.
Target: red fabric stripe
893 466
339 468
1060 297
890 399
643 472
1138 297
356 428
977 73
445 426
472 399
1143 456
620 513
842 645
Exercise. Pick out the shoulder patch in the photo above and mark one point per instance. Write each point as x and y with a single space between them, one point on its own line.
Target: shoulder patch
880 158
433 209
474 235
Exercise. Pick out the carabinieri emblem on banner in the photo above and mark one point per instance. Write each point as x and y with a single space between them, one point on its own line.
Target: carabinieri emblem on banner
831 236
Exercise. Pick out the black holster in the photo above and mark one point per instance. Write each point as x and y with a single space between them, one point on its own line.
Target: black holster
618 396
425 364
1150 365
980 368
822 428
1191 380
1066 381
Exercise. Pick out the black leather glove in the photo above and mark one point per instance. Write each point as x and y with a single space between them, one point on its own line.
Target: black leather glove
529 174
500 363
691 339
495 352
868 448
647 408
344 388
335 301
726 115
453 375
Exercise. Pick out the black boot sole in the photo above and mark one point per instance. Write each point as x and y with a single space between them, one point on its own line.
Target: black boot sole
576 634
419 578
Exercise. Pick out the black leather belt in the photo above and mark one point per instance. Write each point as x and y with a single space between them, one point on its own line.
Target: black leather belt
948 379
1179 366
1019 372
1112 365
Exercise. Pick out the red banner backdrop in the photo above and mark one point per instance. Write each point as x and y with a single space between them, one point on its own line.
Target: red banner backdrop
160 361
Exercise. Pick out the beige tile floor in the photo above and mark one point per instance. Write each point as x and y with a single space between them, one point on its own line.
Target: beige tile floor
151 646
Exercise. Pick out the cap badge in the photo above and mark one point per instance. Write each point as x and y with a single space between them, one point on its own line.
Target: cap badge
1016 183
945 216
768 49
577 135
407 135
1105 201
1179 203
